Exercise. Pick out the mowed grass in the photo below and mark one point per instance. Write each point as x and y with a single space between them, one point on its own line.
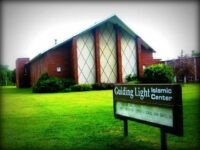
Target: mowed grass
85 120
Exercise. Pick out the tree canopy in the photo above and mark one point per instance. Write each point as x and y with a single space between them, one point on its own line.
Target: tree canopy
7 77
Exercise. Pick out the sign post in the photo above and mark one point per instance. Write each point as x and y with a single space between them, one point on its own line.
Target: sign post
163 140
159 105
125 127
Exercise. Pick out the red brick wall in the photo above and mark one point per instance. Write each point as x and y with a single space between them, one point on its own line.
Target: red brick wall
147 58
144 58
21 77
48 63
37 68
58 58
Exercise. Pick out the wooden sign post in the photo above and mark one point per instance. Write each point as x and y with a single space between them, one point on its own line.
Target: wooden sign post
159 105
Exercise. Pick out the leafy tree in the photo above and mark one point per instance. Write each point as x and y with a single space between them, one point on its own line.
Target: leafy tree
183 67
13 76
195 53
3 75
6 76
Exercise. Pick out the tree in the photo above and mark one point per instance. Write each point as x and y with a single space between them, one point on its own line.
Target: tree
195 53
7 77
13 76
183 68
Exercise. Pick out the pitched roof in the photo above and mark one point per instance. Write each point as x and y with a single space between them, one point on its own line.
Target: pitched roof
113 19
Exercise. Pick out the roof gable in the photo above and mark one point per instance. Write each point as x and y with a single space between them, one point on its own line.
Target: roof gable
114 20
117 21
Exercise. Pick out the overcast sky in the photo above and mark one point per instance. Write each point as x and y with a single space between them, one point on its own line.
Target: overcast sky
29 28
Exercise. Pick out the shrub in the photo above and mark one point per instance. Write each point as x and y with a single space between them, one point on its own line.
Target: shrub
51 84
158 73
47 84
67 90
68 82
43 77
81 87
131 77
102 86
134 82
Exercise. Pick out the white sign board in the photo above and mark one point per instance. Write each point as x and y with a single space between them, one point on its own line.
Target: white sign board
154 114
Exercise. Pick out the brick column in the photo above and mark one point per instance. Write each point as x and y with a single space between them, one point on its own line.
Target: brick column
119 55
97 55
139 57
22 79
74 60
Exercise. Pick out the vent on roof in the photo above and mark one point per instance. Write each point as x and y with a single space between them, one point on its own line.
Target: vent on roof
55 41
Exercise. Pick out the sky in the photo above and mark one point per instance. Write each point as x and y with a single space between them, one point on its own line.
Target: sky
30 28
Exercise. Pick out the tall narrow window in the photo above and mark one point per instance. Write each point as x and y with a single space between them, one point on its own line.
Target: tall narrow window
86 58
129 63
108 56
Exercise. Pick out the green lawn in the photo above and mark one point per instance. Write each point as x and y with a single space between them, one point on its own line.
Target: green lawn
84 120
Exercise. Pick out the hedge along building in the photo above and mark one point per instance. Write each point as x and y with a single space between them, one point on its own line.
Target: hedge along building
105 53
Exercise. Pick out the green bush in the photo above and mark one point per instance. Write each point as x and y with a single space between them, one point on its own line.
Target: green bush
102 86
81 87
158 73
134 82
43 77
131 77
47 84
68 82
66 90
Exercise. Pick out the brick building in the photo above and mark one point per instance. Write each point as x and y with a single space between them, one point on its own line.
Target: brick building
184 64
104 53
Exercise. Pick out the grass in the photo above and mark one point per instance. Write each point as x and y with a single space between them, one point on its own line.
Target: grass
84 120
